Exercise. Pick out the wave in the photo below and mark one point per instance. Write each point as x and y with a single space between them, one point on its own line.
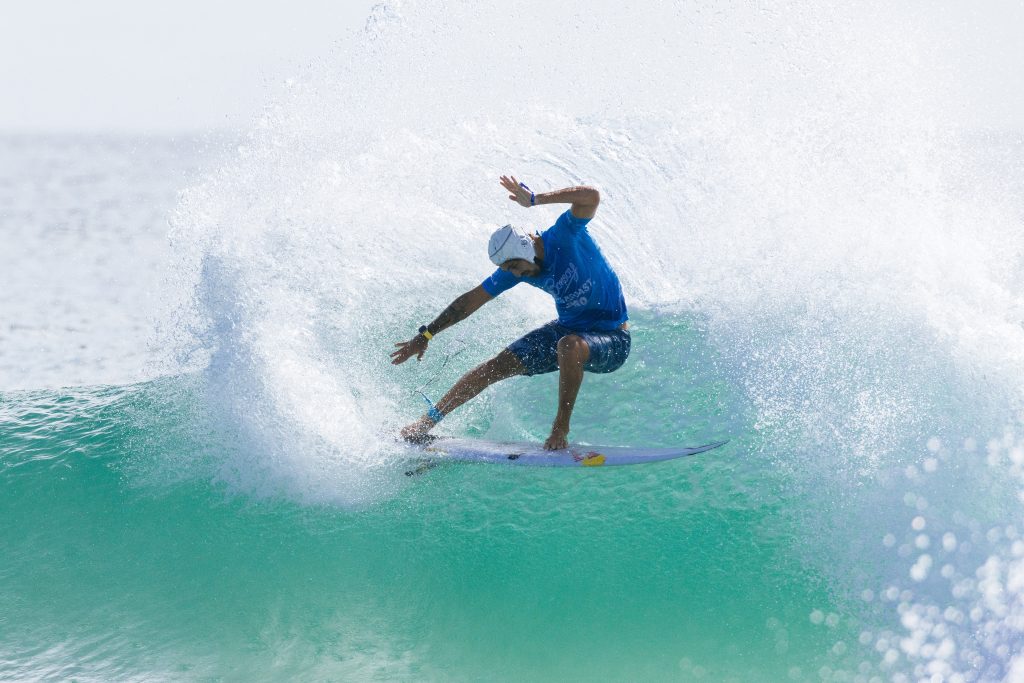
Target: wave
821 260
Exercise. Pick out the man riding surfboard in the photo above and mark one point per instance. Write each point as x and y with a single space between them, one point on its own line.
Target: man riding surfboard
590 334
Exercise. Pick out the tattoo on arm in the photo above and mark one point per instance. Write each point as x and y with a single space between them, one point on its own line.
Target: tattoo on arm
456 311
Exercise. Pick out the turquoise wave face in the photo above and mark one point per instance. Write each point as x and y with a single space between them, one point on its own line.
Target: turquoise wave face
137 545
127 554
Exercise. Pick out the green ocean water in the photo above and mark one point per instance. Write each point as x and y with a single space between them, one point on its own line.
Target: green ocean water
123 561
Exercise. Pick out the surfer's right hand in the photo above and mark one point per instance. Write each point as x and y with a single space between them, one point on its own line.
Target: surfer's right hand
416 346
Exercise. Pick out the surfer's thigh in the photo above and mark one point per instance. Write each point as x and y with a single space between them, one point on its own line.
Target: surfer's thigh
572 348
537 351
608 350
506 364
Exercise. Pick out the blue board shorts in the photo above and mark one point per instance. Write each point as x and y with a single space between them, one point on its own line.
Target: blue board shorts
538 350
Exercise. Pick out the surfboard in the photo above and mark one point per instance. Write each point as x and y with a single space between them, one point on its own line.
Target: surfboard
517 453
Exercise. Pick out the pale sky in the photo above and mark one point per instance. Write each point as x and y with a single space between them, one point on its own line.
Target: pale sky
137 66
130 65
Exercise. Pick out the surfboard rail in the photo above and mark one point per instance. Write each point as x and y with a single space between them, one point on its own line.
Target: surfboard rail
519 453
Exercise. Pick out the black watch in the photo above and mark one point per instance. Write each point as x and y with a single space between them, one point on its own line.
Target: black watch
426 334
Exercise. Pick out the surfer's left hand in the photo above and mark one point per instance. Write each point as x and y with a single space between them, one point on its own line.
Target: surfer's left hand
517 192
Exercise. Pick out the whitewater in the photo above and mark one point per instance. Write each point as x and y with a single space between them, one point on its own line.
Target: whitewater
821 254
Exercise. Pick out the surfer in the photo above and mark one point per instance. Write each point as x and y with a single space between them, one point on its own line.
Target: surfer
590 334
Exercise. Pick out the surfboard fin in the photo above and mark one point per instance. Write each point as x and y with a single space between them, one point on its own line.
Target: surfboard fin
424 466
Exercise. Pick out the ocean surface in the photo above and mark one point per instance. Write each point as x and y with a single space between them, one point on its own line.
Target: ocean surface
823 264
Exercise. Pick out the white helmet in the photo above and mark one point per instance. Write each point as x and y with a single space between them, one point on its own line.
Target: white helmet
509 242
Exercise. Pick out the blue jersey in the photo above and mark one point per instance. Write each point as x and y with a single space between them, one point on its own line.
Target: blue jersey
588 296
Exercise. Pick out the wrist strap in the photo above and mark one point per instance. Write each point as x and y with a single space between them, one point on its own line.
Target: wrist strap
533 197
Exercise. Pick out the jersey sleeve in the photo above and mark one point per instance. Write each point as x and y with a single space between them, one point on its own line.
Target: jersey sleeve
570 224
499 281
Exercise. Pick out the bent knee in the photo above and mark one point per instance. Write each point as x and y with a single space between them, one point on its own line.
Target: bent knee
573 347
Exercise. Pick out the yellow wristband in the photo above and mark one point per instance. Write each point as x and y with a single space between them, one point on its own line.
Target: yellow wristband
426 333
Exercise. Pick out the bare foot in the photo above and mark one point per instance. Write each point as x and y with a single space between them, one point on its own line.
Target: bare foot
558 439
418 431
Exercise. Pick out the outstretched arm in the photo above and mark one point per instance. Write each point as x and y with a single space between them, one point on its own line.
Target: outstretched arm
460 309
584 199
